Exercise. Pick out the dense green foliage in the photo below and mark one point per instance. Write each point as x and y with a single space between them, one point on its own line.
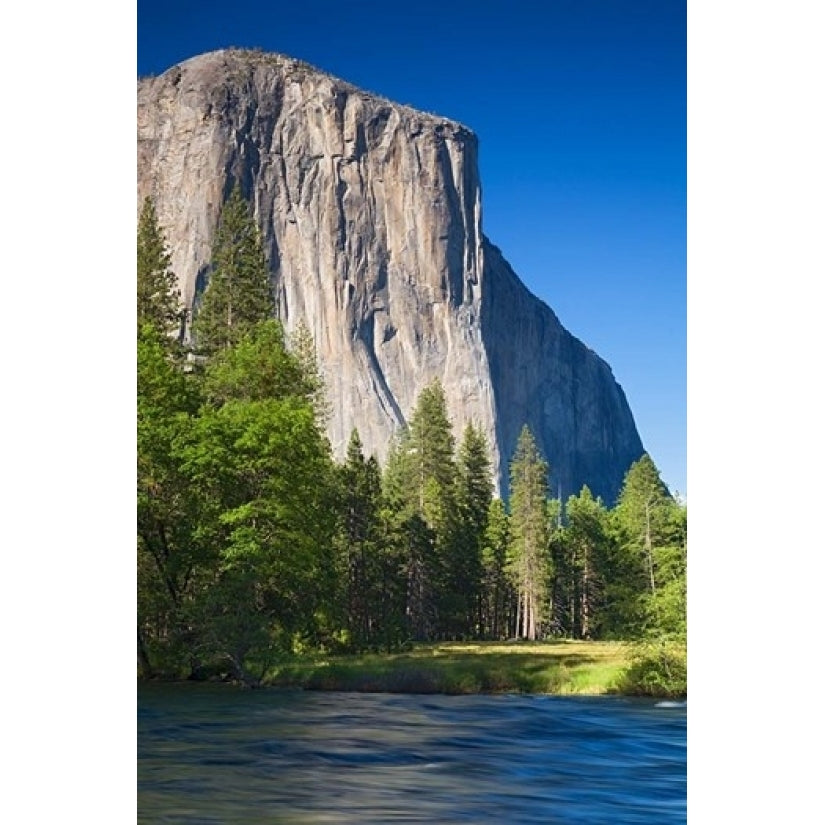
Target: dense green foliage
656 669
254 544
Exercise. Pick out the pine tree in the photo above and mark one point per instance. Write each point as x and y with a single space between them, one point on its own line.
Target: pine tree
302 345
158 297
671 607
475 483
420 482
360 505
430 446
529 562
431 449
497 591
400 552
554 608
643 507
585 540
257 368
651 533
651 530
473 496
238 295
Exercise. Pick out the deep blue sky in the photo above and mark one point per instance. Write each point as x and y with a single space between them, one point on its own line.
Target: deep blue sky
580 109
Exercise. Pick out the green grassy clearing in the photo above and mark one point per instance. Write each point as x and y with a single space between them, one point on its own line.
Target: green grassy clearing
558 667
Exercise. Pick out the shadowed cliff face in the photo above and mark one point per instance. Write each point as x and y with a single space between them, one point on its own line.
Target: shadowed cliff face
546 378
371 218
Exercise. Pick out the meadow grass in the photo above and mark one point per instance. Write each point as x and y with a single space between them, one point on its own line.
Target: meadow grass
558 667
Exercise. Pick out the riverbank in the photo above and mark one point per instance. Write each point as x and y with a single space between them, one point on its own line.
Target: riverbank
562 667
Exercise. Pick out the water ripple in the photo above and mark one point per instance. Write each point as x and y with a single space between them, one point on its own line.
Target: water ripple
210 753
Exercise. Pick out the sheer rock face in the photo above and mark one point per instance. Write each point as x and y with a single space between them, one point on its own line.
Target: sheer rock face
371 218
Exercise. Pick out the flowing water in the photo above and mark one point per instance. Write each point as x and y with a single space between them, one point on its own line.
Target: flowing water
213 753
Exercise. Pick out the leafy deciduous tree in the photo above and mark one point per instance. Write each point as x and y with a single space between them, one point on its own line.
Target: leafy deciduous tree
263 462
170 554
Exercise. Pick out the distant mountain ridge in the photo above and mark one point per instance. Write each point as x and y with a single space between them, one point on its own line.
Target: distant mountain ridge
371 219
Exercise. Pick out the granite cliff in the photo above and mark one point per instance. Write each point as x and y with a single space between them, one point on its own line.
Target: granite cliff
371 218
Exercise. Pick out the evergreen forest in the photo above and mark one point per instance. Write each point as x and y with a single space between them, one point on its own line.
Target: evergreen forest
253 542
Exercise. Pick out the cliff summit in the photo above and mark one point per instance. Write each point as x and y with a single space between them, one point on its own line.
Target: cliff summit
371 219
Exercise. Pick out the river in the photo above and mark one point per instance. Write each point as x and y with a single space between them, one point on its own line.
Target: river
217 754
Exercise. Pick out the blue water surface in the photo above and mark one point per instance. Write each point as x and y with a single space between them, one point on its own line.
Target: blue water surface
217 754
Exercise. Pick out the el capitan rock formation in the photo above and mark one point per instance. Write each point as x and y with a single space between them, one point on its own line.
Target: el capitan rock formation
371 220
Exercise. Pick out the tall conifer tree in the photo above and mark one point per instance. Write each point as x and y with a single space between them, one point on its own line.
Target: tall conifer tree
473 496
643 508
529 562
651 535
238 294
497 591
361 502
586 543
158 297
421 484
302 344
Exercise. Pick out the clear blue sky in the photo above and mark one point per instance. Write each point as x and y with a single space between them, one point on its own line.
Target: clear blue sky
580 110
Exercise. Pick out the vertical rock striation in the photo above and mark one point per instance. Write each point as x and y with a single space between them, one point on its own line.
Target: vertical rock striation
371 219
546 378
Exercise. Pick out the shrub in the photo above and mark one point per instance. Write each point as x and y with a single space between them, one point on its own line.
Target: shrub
657 669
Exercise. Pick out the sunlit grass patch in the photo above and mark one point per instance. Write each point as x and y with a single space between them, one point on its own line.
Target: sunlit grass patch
563 667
